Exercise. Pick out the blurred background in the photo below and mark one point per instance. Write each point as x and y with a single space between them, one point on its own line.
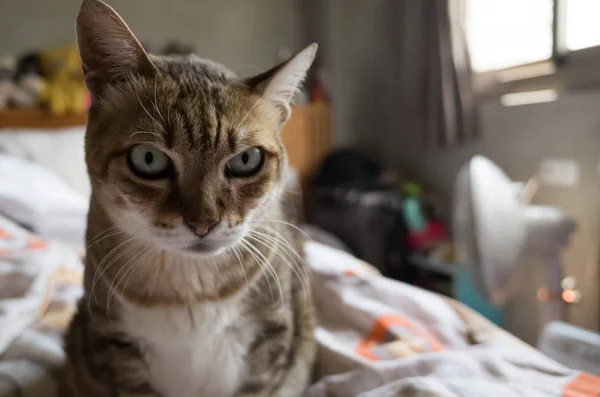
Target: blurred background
402 95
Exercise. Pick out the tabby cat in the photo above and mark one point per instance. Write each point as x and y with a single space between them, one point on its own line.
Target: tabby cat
194 283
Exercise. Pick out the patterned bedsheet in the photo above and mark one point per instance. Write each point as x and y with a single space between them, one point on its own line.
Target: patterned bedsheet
40 283
377 337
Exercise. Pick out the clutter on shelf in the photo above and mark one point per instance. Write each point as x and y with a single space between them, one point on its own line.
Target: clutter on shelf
51 79
384 217
64 91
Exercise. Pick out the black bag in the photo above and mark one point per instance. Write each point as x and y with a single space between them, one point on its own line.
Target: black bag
347 199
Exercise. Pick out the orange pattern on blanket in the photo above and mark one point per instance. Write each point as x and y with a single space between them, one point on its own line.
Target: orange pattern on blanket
33 243
584 385
4 234
382 325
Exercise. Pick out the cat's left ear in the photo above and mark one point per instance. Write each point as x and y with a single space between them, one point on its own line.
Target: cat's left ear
109 50
279 85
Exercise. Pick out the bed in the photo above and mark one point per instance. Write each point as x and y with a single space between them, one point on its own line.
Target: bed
377 337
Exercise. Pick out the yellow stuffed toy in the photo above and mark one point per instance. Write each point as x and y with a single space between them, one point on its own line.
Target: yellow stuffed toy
64 91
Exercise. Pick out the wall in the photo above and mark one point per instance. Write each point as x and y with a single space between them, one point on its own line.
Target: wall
244 35
370 45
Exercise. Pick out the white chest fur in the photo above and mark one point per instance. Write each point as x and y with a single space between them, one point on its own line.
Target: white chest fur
193 351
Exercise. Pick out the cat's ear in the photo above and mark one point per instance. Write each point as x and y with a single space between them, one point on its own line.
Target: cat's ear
109 50
279 85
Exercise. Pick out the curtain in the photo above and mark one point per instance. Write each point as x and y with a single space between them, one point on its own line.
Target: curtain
401 76
449 110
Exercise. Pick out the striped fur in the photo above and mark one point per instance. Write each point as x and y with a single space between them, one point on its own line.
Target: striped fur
157 319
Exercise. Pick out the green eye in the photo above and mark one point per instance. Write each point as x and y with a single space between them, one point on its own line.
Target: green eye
247 163
148 162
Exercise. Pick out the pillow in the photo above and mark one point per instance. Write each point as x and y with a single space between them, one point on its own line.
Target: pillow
59 150
37 198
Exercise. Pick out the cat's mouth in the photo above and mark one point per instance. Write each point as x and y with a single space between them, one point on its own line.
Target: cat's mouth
211 246
203 247
182 240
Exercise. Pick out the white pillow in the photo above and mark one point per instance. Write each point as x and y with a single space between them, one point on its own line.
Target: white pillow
59 150
37 198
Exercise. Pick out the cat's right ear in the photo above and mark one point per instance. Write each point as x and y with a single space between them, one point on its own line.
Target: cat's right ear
109 50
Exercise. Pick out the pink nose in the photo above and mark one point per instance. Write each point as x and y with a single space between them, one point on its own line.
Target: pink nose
203 227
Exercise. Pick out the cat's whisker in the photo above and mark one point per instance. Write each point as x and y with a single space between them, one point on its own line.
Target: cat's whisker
158 269
286 224
103 232
107 256
292 191
269 242
135 245
169 113
238 255
215 265
269 267
157 275
258 263
274 247
246 246
276 250
112 289
140 261
249 112
112 231
225 254
148 113
276 244
145 133
101 268
155 103
304 266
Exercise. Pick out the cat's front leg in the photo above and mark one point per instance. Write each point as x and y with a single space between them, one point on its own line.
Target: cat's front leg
101 364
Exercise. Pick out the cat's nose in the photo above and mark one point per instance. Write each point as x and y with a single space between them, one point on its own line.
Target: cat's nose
203 227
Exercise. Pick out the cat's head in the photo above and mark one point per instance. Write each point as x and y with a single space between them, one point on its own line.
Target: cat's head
181 152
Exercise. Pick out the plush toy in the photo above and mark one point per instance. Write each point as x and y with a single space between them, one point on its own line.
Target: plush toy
28 80
7 86
65 90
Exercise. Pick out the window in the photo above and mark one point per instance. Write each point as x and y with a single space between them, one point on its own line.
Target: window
518 41
582 25
505 33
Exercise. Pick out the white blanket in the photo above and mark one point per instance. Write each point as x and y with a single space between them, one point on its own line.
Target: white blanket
382 338
36 197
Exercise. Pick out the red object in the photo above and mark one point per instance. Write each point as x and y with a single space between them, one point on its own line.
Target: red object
434 232
88 100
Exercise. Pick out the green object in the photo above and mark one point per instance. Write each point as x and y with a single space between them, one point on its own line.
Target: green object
412 189
411 208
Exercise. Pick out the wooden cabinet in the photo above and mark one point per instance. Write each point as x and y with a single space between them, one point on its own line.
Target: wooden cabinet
307 137
38 119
